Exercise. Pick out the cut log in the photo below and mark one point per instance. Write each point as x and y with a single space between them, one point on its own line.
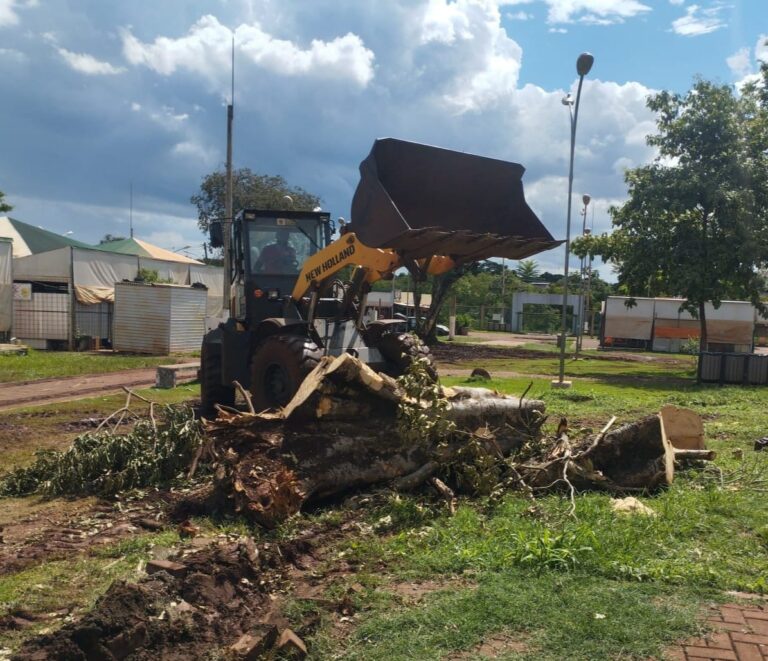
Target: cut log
340 432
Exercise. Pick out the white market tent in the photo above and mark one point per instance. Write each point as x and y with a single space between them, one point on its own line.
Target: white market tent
6 286
75 289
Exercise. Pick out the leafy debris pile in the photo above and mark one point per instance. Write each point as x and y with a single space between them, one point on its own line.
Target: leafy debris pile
104 463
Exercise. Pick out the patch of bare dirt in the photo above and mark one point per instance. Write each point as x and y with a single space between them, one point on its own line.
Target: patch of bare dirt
493 647
202 602
412 592
54 529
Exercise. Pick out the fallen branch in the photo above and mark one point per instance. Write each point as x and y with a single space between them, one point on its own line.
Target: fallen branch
446 492
246 396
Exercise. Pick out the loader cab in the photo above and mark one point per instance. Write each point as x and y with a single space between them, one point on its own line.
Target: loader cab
272 247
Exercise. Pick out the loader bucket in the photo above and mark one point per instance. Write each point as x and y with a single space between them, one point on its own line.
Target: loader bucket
423 201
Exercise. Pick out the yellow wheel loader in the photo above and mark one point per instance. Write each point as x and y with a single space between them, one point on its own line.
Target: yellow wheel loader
420 207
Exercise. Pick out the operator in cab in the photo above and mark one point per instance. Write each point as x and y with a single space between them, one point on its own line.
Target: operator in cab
277 257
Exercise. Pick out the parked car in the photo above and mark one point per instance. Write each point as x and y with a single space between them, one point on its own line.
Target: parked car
440 329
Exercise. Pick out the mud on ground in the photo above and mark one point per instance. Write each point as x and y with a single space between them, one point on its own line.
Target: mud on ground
211 594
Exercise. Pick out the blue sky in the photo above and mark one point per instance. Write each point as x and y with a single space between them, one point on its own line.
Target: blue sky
98 94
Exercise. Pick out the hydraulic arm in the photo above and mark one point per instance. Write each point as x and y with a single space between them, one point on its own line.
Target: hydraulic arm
375 264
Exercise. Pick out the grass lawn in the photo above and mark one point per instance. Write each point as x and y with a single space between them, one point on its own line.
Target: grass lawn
596 585
48 364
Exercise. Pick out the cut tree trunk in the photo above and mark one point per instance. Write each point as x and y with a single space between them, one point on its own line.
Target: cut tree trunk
340 432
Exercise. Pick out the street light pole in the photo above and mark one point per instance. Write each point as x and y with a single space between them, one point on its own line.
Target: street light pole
580 332
583 65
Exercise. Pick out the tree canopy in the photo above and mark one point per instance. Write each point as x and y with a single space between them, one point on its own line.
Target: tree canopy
249 190
4 206
696 223
108 238
528 270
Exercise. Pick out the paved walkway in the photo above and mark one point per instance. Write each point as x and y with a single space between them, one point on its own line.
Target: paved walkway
741 635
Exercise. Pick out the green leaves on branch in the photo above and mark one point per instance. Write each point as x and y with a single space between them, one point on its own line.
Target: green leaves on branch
4 206
103 464
421 416
696 221
250 190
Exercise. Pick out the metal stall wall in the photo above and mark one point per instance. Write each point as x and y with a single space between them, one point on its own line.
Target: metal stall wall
627 326
6 288
40 319
736 368
158 319
94 321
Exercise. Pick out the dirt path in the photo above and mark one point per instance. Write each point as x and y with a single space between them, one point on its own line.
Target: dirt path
46 391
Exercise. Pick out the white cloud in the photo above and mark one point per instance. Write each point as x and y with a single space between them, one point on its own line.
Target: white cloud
481 64
88 64
761 49
9 8
196 150
698 21
446 73
739 63
205 50
743 67
620 165
519 16
12 54
677 3
594 11
558 31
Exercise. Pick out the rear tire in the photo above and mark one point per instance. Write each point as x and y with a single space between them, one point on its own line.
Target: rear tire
212 391
401 349
279 365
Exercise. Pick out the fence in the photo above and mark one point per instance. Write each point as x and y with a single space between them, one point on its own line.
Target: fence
94 321
43 317
736 368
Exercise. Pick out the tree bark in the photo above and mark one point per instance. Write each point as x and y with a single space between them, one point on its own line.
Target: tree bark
704 339
340 432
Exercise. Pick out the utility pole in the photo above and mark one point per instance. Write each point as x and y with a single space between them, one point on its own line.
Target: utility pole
227 225
503 290
130 216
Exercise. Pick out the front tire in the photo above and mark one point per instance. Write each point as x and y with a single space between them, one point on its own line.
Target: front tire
279 366
401 349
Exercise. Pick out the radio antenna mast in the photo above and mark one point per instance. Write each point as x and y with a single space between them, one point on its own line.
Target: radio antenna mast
130 215
228 211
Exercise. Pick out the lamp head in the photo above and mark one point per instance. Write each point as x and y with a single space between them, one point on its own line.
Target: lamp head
586 199
584 63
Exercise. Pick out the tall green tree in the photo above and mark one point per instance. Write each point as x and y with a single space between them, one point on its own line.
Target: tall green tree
528 270
4 206
695 224
250 190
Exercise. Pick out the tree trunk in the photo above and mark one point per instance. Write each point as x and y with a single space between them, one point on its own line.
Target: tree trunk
704 340
441 287
340 432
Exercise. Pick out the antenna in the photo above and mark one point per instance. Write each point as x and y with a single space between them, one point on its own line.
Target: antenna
130 217
228 203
